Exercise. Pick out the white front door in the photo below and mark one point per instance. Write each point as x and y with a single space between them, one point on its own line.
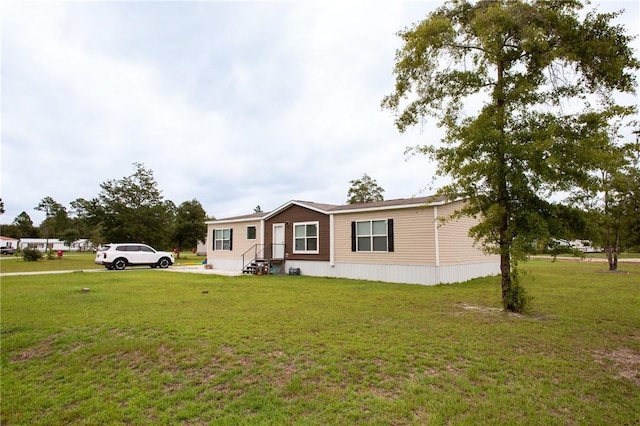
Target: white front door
278 240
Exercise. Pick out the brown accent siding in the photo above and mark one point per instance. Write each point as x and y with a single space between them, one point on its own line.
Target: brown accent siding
414 238
296 214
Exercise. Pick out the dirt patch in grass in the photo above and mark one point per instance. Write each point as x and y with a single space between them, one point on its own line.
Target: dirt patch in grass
489 310
625 361
39 351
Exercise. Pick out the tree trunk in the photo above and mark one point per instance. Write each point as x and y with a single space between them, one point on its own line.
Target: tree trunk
607 221
608 247
505 263
612 247
505 271
503 193
613 257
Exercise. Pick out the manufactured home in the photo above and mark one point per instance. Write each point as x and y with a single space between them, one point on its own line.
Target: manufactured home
40 244
8 245
404 241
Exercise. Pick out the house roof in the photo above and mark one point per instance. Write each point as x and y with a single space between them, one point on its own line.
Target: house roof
400 203
318 207
39 240
3 238
242 218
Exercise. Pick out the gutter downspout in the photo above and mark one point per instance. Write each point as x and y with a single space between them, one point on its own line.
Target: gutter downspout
437 243
435 230
262 232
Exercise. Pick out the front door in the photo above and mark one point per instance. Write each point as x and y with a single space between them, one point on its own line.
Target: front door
278 240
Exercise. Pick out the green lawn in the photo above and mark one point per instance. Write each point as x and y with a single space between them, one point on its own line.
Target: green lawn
155 347
71 262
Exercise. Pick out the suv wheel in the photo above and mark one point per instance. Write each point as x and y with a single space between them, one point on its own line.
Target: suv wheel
164 263
120 263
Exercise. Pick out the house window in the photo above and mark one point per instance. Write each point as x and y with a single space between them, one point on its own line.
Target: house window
251 232
372 235
222 239
305 237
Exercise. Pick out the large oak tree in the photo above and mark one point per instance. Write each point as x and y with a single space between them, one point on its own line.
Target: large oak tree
130 209
543 74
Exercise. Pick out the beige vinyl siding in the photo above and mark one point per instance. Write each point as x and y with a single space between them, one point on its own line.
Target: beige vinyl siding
456 247
414 237
240 243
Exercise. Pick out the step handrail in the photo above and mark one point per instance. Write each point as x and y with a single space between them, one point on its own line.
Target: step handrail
258 249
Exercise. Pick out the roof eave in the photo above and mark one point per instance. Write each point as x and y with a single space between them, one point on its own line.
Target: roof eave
294 203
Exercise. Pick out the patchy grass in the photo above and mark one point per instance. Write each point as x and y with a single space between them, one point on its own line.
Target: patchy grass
150 347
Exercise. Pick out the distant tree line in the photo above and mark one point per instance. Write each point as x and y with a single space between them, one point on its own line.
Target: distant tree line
128 209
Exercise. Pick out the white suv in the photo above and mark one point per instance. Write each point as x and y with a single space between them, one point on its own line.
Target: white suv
120 255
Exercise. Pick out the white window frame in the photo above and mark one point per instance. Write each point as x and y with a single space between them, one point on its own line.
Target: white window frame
317 237
371 236
221 240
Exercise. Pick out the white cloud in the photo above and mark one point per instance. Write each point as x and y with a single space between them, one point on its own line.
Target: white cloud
232 103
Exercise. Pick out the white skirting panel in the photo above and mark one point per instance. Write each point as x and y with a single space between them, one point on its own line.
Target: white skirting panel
226 264
425 275
465 272
314 269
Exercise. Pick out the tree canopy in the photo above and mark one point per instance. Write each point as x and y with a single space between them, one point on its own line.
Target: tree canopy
543 77
611 195
131 208
56 216
189 226
23 227
364 190
128 209
631 219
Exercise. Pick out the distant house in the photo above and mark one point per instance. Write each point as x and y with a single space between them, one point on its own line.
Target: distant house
401 241
55 244
41 244
82 244
8 245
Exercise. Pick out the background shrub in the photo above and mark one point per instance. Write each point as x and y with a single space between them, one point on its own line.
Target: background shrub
31 255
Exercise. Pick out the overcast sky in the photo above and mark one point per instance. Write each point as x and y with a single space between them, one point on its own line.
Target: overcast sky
235 104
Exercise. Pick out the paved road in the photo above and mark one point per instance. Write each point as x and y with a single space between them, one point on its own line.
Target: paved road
587 259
